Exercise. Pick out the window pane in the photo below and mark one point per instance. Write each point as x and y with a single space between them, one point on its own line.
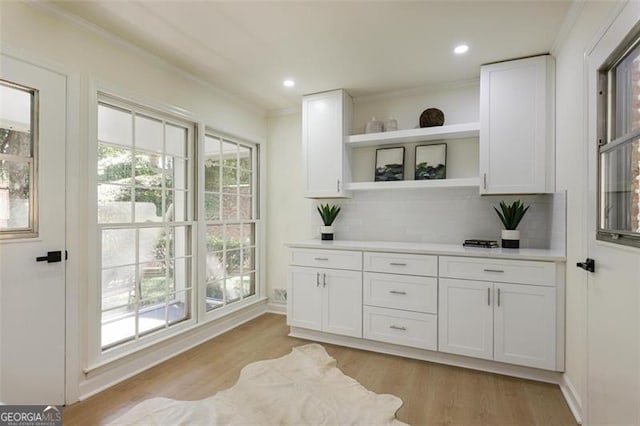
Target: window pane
153 281
620 188
179 206
627 94
118 288
15 194
149 134
117 327
212 206
215 271
114 125
245 157
229 179
248 259
17 179
248 284
114 203
212 174
118 247
176 173
148 172
248 234
179 275
233 288
179 304
229 154
229 206
233 261
179 242
152 244
114 164
211 146
148 205
176 140
215 295
245 208
152 315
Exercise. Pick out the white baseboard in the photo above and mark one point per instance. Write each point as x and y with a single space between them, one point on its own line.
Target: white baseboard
572 397
154 355
439 357
277 308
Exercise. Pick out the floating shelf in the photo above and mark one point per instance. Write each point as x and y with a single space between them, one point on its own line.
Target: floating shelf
451 131
414 184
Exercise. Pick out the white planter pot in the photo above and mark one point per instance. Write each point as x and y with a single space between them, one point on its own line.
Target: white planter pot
326 232
510 238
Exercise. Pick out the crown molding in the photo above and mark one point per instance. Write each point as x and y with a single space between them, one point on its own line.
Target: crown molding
156 60
570 19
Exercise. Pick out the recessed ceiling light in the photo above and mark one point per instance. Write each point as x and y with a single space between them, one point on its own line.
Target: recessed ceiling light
460 49
288 83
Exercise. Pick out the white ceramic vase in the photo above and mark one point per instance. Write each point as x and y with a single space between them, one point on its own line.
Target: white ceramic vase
326 233
510 238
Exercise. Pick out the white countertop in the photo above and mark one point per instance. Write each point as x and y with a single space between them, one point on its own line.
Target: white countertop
436 249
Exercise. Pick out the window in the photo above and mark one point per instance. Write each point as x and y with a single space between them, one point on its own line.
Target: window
145 220
230 198
619 148
18 161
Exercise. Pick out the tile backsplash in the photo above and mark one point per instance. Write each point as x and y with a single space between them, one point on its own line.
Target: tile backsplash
446 215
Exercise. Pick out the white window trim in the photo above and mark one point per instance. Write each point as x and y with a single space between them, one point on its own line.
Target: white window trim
259 182
95 357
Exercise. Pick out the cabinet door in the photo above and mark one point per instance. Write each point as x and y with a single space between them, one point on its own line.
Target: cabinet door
465 318
517 126
324 118
525 325
342 308
304 294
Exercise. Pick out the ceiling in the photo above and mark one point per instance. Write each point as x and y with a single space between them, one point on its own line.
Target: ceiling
248 48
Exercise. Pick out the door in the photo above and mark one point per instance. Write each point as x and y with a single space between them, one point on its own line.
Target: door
304 294
342 311
32 223
613 290
466 318
525 325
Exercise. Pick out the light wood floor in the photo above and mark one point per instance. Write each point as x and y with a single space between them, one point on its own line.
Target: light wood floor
432 393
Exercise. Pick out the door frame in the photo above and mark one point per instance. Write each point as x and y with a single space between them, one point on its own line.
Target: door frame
73 212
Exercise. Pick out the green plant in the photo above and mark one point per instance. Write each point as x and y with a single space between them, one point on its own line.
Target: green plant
328 213
511 215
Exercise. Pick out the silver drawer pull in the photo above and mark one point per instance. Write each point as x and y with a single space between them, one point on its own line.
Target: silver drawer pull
397 264
395 327
397 292
320 258
494 270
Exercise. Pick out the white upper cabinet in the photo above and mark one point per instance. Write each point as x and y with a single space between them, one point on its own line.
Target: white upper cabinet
517 153
326 121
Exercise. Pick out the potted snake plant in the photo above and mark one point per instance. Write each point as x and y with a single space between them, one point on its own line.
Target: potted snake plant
328 214
510 215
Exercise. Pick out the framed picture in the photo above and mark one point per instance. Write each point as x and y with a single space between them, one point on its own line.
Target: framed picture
389 164
431 162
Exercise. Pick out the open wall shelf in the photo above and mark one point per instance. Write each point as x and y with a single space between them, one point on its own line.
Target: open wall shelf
451 131
414 184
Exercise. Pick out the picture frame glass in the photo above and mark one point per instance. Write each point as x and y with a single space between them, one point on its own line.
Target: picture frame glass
389 164
431 162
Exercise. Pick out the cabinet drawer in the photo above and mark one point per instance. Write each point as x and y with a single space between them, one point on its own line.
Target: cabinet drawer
396 263
419 294
499 270
336 259
401 327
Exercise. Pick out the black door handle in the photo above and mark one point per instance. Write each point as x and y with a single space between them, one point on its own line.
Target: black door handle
587 265
51 257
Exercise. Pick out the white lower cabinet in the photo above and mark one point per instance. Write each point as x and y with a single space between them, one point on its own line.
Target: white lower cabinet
327 300
505 310
504 322
405 328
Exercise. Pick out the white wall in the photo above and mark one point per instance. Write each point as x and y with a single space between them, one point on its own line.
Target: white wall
35 32
571 138
289 215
